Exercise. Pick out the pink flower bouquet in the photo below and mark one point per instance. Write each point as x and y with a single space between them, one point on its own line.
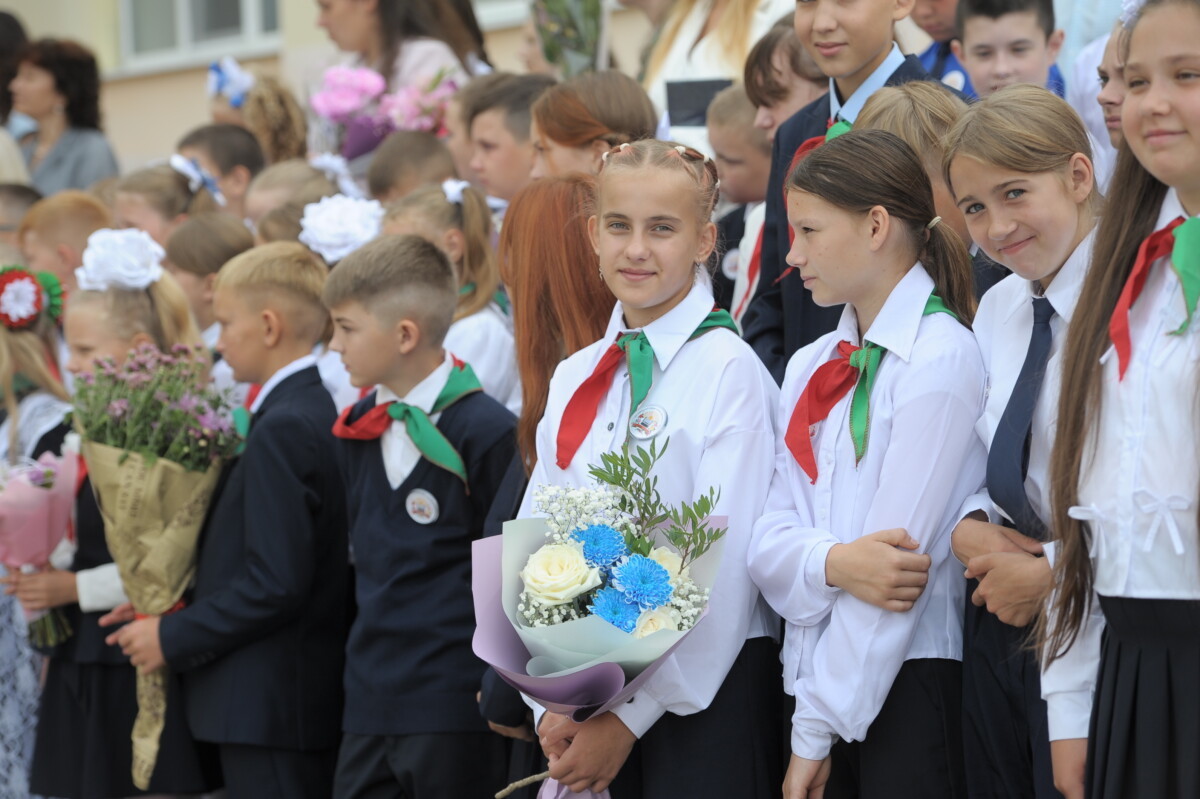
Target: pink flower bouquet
347 92
36 505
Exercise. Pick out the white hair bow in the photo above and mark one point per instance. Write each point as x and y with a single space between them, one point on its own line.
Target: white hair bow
337 226
337 169
197 178
453 189
227 79
1129 11
124 259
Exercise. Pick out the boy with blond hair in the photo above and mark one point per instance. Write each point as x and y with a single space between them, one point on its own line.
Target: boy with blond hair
423 457
55 230
261 646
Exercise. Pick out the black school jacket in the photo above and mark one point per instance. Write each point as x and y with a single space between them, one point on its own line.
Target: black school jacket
782 317
261 646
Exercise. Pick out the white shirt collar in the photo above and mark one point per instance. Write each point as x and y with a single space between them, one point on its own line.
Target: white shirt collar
211 334
424 394
283 374
1170 210
895 328
849 110
672 330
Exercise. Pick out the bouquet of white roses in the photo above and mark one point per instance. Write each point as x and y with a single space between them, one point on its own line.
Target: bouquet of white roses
590 598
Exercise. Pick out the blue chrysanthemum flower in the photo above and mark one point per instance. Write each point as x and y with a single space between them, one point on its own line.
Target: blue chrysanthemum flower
602 545
612 606
643 581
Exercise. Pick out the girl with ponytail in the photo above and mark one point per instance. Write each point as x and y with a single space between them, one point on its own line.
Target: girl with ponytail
1125 467
455 217
876 429
159 199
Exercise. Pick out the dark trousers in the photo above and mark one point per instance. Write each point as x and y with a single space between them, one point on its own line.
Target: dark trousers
259 772
461 765
1006 737
734 748
914 746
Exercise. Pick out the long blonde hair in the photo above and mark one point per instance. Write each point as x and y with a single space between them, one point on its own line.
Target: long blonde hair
732 28
28 352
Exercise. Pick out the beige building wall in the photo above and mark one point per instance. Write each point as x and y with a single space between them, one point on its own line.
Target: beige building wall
145 113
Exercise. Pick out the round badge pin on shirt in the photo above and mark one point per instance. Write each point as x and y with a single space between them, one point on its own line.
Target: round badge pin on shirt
422 507
648 422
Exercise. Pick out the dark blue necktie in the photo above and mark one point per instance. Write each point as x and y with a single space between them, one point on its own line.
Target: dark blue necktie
1008 458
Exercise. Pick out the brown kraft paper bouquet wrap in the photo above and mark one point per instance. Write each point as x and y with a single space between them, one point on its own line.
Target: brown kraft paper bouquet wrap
154 442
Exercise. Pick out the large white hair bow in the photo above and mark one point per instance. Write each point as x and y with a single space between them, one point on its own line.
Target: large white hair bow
338 225
125 259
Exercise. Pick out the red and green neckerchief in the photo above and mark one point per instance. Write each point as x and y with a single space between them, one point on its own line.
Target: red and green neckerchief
433 445
635 350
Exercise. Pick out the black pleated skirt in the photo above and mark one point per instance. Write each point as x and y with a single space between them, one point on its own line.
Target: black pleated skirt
83 748
1145 733
737 748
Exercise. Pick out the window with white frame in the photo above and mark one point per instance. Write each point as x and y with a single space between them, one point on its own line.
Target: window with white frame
162 34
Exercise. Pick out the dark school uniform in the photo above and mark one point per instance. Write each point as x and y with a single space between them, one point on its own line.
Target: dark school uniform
730 229
1021 335
261 646
411 677
782 316
83 748
499 702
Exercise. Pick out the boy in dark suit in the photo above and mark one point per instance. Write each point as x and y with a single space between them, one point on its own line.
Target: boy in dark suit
261 646
423 457
852 43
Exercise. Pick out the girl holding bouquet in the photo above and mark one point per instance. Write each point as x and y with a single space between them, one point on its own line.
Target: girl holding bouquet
35 404
706 723
407 40
455 218
125 300
877 433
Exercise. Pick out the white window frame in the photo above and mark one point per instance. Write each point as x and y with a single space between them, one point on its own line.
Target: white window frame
501 14
252 42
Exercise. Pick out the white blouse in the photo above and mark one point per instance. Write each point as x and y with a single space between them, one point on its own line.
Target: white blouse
1003 326
1137 488
717 403
485 341
692 58
922 461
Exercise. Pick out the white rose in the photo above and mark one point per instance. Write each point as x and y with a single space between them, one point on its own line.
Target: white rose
557 573
671 561
126 259
337 226
651 621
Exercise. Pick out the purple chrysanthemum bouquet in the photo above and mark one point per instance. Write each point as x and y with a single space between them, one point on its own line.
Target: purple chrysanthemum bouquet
154 438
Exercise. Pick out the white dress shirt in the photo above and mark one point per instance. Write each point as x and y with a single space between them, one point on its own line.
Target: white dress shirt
485 341
718 401
1003 326
1137 487
922 461
850 109
400 454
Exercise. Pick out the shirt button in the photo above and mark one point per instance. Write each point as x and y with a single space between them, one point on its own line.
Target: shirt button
610 425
